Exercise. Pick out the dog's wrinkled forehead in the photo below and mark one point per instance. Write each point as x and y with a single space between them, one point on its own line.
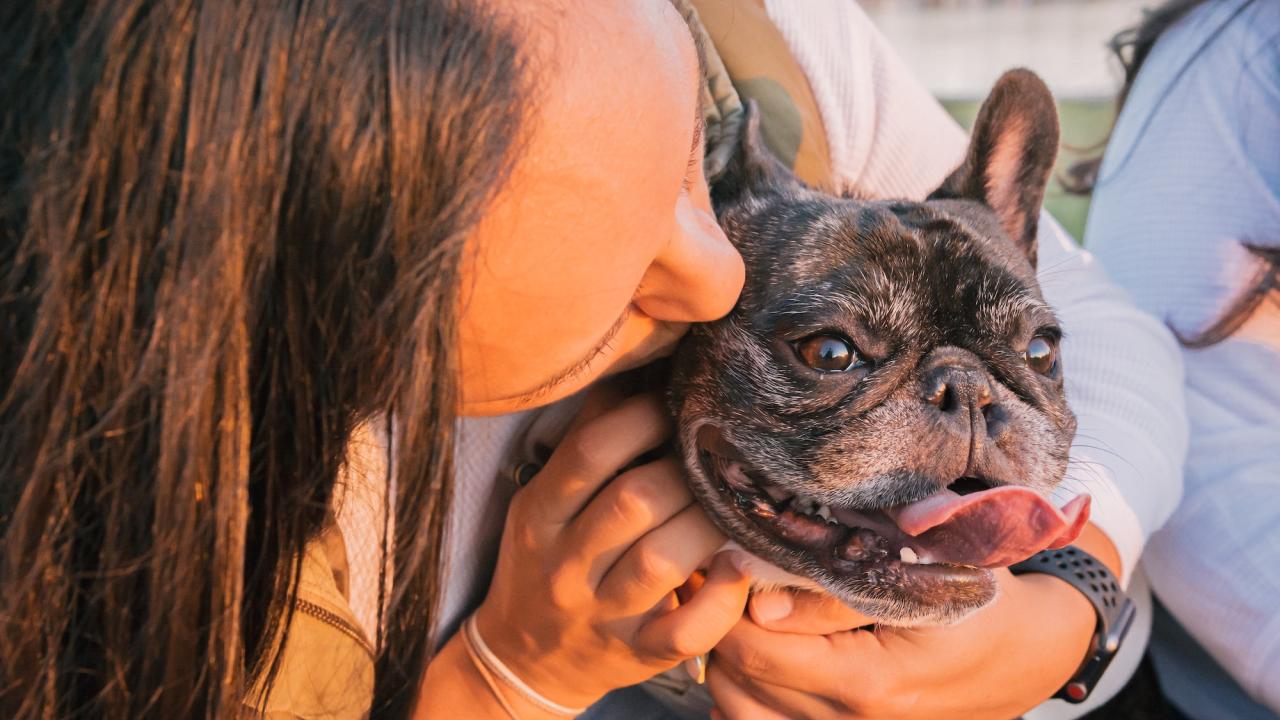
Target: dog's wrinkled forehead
920 273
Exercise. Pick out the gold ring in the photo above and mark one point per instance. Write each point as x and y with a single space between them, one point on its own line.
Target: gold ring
524 472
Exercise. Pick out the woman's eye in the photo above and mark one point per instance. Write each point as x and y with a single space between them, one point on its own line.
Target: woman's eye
1042 355
827 353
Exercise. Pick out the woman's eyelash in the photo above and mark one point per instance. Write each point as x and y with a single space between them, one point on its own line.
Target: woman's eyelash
690 171
695 153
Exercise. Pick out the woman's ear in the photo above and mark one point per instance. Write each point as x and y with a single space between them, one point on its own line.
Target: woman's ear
753 170
1011 153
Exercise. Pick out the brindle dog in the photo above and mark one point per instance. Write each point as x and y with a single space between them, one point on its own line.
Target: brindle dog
883 412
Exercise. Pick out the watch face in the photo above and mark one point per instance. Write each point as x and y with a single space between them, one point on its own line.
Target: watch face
1120 628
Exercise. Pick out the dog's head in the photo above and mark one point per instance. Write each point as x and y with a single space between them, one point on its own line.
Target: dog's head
883 411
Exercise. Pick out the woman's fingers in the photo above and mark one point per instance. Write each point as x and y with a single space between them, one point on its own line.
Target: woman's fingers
781 701
588 457
732 701
696 626
826 665
660 561
804 612
603 396
631 505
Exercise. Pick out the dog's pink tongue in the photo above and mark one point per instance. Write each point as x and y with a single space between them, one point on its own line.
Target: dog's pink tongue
991 528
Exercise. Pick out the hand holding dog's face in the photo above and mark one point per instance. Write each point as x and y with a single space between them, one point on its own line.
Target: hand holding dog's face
883 411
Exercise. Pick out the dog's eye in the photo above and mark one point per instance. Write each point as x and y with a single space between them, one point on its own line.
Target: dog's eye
1042 355
827 353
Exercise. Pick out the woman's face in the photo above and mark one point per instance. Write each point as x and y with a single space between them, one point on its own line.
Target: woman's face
602 247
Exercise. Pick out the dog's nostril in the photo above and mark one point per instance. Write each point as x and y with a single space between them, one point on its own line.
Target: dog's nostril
995 418
984 396
940 395
992 413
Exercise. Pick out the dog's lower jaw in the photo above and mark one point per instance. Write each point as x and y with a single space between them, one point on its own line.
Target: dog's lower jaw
867 575
766 576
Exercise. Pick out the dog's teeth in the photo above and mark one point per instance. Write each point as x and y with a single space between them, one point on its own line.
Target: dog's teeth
762 509
908 556
824 512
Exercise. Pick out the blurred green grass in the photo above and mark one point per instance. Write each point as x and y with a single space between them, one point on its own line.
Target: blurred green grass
1085 124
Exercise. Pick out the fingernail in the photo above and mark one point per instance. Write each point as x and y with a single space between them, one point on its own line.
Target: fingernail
769 607
696 668
738 560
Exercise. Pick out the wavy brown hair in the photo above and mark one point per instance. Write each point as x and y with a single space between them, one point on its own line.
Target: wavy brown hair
230 231
1131 47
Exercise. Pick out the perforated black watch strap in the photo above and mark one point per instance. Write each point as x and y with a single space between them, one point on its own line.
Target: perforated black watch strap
1115 610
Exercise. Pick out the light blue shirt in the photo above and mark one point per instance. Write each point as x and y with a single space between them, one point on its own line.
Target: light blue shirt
1192 171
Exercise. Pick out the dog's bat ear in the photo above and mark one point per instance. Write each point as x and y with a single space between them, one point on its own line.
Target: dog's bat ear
1011 154
753 170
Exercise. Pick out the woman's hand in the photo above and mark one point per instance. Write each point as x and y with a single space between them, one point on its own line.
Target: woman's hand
582 598
801 660
799 655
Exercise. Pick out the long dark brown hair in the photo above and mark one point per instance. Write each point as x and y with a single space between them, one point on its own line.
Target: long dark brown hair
229 233
1131 48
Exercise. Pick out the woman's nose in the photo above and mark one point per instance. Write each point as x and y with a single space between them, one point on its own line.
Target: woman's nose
697 277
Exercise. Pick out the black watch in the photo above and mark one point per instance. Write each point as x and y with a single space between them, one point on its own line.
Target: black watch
1115 610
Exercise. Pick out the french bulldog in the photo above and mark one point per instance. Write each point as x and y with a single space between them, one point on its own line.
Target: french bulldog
882 415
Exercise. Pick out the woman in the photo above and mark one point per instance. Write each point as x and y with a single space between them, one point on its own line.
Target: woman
233 232
240 239
1186 213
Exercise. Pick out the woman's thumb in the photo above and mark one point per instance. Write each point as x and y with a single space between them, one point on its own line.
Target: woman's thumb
804 612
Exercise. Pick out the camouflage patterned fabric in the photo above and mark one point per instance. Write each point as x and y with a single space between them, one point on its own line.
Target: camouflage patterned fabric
748 59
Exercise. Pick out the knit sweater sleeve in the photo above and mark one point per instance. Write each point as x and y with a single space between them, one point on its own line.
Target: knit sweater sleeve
890 138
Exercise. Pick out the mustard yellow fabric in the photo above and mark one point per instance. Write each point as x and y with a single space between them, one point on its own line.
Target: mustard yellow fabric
324 672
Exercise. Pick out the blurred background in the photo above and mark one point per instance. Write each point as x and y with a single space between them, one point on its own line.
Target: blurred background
959 47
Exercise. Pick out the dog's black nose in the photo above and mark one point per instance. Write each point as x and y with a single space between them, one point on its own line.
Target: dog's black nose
964 394
950 388
955 383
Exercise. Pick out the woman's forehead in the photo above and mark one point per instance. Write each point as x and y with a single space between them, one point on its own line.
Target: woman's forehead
612 118
623 63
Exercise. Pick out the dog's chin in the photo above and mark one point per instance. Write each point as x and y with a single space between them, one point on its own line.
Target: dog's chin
857 556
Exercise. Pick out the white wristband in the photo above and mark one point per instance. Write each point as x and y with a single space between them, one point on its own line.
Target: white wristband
497 667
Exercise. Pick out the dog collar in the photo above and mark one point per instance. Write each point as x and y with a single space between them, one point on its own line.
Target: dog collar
1114 609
